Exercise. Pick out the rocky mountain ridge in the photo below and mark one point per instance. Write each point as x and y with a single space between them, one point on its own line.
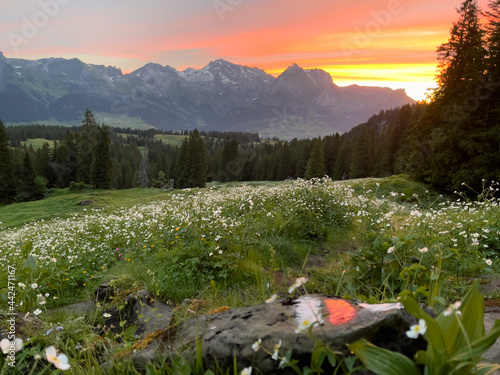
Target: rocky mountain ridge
221 96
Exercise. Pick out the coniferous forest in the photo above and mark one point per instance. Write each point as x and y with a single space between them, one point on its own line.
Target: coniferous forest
451 139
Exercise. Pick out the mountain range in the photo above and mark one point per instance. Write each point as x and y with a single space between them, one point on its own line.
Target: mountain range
221 96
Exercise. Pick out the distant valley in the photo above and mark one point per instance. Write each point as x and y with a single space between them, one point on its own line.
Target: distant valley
221 96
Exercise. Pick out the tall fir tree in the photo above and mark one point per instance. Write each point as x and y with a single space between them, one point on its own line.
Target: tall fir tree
361 160
447 133
86 142
27 189
142 174
303 150
394 136
316 163
493 41
260 170
182 165
285 163
42 164
194 162
101 175
229 167
493 107
461 59
7 178
493 63
343 161
331 149
70 159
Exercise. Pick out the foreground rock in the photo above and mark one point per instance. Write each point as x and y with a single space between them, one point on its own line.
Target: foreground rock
492 314
24 325
140 310
230 334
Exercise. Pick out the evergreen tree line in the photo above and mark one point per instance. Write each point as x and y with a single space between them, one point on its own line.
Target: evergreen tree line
112 158
457 138
19 133
101 157
83 156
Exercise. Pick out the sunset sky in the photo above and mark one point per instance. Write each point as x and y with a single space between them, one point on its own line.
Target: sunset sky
388 43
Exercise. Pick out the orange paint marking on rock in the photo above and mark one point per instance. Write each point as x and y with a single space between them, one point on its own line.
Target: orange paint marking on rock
340 312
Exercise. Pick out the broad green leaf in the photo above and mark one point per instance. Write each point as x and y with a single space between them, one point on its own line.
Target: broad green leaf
478 347
332 360
452 333
486 368
459 368
460 331
130 331
473 313
383 361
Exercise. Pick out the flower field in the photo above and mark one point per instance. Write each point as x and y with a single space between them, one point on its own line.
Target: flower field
378 239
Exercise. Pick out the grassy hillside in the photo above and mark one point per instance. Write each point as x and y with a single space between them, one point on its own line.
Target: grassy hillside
37 142
49 121
170 139
118 120
62 203
233 245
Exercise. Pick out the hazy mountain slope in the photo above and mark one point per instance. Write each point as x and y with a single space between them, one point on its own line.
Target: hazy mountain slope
220 96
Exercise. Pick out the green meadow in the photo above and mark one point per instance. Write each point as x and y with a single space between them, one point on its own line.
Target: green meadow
236 244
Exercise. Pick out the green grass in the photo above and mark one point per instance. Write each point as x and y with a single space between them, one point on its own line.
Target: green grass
125 135
37 142
63 203
49 121
384 186
118 120
170 139
237 244
114 120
